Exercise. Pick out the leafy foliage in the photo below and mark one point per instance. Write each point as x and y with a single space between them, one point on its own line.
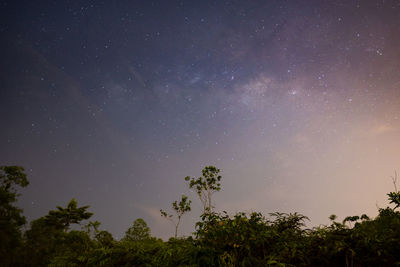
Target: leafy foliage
138 231
11 218
206 185
180 208
40 242
220 239
394 197
64 217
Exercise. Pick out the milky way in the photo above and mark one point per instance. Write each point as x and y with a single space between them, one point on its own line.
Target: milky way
298 102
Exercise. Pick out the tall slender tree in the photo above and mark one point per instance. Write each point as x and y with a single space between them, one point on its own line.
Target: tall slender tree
180 209
206 186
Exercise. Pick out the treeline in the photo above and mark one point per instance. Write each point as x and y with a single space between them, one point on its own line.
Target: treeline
220 239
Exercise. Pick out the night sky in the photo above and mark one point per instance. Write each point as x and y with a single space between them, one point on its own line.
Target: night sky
115 102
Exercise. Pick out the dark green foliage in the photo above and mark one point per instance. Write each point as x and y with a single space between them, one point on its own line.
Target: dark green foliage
72 249
63 217
394 197
252 240
139 231
183 205
233 239
206 185
180 208
220 239
48 236
11 218
105 239
92 228
40 242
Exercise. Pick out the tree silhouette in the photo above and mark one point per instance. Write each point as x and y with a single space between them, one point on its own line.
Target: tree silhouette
11 218
138 231
206 186
180 208
394 197
64 217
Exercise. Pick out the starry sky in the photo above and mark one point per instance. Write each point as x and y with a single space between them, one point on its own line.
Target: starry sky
115 102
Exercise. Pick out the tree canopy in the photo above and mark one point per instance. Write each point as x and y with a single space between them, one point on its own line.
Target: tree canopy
219 239
138 231
64 217
180 209
11 218
206 185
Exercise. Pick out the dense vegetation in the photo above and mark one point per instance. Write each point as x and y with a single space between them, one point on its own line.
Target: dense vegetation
219 240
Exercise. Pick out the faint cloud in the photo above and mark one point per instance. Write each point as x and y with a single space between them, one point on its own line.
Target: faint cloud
374 131
152 212
381 129
301 139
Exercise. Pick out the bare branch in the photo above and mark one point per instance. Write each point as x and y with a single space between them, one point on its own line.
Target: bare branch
394 180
